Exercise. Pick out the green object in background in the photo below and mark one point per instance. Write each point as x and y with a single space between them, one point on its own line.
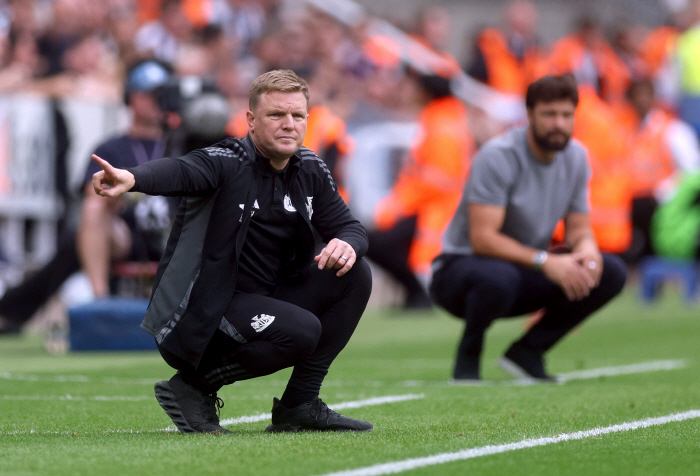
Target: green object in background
675 226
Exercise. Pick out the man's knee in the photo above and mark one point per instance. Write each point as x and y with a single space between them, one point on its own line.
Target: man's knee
360 278
304 334
477 284
614 274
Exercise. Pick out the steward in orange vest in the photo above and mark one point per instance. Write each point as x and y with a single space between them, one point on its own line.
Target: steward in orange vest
410 221
610 185
658 146
510 59
591 59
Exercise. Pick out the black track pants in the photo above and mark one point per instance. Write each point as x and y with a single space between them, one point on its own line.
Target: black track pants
480 290
305 324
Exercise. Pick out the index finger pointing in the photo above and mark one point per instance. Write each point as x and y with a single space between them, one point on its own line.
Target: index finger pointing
101 162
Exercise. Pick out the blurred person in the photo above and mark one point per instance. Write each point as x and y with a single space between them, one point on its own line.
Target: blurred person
199 13
409 222
675 226
687 54
627 41
598 130
589 57
122 27
242 21
22 64
511 57
162 38
67 26
205 55
433 28
339 63
658 51
108 230
281 306
494 262
659 147
88 70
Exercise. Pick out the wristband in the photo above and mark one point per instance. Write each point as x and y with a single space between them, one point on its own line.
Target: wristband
539 259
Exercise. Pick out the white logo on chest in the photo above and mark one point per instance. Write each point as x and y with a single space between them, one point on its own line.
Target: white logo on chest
288 204
252 212
261 322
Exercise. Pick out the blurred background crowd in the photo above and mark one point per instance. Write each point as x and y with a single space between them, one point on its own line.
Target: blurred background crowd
402 95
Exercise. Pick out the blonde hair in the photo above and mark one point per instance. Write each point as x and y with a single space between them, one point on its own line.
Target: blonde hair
284 80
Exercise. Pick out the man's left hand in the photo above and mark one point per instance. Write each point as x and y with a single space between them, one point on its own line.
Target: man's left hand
337 255
592 261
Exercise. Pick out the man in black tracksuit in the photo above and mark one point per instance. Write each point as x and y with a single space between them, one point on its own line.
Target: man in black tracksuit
237 294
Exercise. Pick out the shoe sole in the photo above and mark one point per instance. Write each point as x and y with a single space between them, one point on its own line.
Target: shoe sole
289 428
167 401
518 372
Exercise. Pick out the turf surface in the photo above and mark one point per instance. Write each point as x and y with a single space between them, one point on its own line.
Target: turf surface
94 413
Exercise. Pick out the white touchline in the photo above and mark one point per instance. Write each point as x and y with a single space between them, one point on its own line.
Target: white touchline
643 367
413 463
77 398
623 370
338 406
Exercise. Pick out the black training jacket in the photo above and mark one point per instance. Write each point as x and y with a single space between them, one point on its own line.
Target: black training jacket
196 276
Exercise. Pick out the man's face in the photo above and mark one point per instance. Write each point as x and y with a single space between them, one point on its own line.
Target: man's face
145 108
278 124
552 124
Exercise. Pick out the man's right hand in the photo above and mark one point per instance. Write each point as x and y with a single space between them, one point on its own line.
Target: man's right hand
566 271
111 182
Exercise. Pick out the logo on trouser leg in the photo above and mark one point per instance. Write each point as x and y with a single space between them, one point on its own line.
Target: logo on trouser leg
260 323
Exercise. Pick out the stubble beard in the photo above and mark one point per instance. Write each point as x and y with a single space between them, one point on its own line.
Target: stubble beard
546 141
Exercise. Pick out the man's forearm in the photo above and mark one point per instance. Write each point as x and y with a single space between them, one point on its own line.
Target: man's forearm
500 246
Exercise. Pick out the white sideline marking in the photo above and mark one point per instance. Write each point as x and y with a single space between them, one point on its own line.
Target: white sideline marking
577 375
338 406
624 370
413 463
642 367
68 397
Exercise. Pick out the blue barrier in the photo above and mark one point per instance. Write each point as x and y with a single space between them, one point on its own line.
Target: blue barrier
109 324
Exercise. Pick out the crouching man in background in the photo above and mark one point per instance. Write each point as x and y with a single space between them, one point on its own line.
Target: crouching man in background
494 261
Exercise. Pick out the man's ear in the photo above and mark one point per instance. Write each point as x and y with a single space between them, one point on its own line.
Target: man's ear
249 118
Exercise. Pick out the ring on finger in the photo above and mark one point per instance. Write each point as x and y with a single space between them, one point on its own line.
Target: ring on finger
344 258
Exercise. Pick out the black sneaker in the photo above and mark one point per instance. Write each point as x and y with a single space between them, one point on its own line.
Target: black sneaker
191 410
466 369
524 363
313 415
8 327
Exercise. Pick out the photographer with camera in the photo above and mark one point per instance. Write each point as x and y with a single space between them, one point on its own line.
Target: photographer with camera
136 227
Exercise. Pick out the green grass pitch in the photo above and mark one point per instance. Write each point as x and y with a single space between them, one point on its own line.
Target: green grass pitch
95 414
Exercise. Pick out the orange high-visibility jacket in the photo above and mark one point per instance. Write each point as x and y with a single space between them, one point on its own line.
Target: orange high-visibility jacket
326 134
568 55
611 183
658 47
649 156
198 12
430 182
505 71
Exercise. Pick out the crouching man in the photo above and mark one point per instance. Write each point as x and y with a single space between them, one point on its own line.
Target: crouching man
239 293
494 262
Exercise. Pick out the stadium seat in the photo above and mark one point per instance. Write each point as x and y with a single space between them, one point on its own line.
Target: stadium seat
109 324
654 271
